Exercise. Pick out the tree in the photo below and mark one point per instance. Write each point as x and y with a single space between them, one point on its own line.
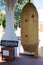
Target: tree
17 12
18 9
4 23
2 18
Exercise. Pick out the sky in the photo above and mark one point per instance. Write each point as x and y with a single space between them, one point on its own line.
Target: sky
38 4
1 6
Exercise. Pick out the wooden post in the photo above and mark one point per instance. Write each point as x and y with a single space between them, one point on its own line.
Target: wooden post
36 53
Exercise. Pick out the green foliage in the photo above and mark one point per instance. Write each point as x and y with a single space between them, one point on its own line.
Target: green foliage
4 23
18 9
15 25
2 18
22 2
17 12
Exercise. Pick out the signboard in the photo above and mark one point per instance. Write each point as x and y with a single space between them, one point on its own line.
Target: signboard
9 43
6 52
